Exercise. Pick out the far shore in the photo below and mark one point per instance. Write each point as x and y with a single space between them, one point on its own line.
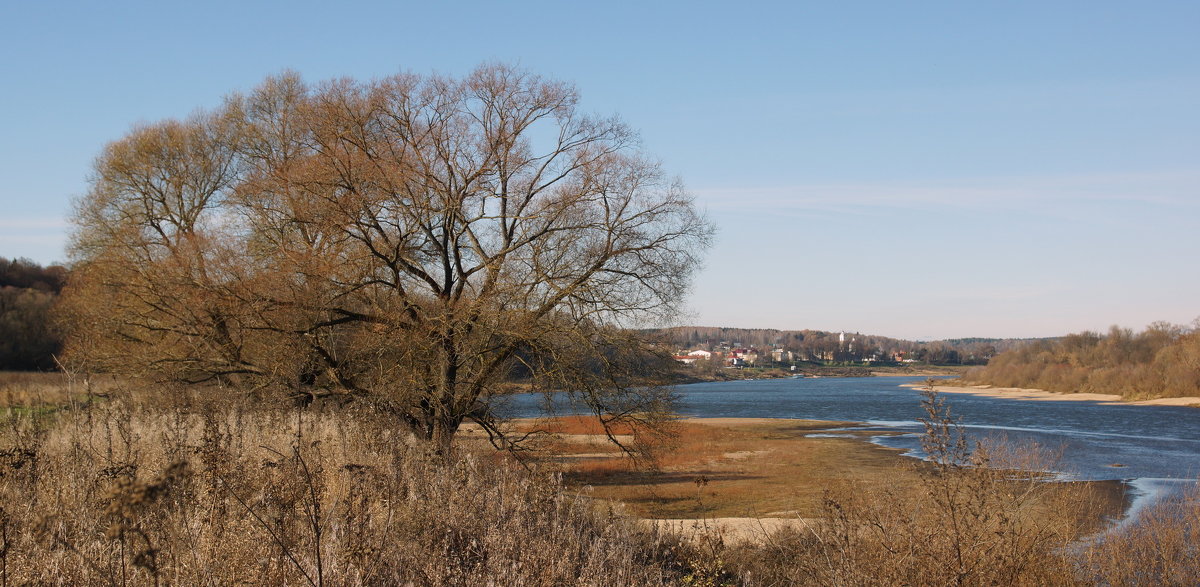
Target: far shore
1043 395
917 373
816 371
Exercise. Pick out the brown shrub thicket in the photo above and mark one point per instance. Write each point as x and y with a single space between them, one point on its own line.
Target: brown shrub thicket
130 492
1161 361
1162 548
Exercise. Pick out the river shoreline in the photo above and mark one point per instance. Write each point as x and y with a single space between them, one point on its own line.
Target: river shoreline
750 476
1018 393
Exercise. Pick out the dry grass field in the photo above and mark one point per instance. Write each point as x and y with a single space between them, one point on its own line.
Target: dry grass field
108 484
145 486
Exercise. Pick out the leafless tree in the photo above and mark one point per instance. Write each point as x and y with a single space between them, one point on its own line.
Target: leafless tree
416 239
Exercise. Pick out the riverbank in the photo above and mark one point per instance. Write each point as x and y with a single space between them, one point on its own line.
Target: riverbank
1018 393
750 476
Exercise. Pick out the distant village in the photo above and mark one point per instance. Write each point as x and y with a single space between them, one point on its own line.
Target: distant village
734 355
736 348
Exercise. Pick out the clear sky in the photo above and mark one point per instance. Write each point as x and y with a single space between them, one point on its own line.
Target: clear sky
911 169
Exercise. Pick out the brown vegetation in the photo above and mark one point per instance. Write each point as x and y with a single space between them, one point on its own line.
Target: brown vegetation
193 490
1161 361
188 486
1162 548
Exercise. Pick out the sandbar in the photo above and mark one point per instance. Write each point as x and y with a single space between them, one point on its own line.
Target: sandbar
1055 396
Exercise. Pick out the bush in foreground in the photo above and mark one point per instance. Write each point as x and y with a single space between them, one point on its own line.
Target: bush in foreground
124 493
132 488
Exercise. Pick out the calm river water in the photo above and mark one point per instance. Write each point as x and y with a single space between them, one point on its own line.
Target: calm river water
1154 448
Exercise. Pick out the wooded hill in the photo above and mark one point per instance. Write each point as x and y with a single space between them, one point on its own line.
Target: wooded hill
1161 361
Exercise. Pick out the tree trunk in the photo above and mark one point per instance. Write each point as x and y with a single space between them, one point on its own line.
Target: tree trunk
443 435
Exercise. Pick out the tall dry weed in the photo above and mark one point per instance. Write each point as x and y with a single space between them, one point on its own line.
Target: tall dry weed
200 488
1160 547
142 489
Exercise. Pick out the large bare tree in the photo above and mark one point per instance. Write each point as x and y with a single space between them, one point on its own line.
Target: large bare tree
417 239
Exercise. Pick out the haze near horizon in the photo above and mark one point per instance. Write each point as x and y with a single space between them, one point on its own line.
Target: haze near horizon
920 172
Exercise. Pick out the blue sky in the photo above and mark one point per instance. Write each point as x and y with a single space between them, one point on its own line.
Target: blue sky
915 169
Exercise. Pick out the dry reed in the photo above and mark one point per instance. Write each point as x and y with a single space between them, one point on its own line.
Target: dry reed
202 487
145 490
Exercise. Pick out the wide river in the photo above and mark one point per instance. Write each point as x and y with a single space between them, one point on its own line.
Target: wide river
1156 449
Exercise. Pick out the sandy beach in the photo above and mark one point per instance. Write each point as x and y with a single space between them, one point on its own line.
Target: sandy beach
1042 395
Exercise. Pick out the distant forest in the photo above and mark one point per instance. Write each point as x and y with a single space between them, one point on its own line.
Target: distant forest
1161 361
28 291
821 346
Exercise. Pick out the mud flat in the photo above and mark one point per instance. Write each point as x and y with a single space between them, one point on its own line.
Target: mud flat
745 476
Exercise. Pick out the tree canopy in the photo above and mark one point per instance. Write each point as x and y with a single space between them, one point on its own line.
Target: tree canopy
414 239
1161 361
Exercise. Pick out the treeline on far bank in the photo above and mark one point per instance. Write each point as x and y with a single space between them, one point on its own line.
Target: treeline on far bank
1161 361
28 339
